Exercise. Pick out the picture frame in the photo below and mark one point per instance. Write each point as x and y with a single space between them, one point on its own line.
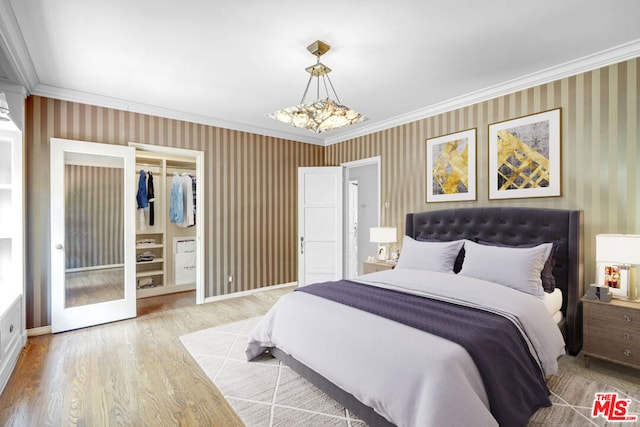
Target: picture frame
524 156
450 170
615 276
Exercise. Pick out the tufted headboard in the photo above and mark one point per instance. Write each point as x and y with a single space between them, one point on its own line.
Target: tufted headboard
516 226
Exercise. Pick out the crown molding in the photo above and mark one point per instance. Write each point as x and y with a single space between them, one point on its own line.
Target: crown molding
14 46
121 104
604 58
12 42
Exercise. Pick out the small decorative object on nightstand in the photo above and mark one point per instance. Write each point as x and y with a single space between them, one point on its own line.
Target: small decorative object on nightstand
612 331
374 266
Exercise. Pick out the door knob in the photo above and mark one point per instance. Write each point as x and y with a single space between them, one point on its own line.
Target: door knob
59 246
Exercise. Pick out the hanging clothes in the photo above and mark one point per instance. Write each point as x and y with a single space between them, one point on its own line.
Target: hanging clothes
187 192
193 188
151 199
141 197
176 203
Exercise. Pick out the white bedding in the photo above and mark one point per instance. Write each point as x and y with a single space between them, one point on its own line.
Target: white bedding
553 301
410 377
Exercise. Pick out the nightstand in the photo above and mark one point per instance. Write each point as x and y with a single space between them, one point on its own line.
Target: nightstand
612 331
373 266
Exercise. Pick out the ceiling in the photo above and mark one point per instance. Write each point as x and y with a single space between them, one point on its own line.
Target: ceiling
228 63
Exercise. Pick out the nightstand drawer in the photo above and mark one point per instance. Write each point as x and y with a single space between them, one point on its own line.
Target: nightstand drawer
612 350
625 334
612 331
610 314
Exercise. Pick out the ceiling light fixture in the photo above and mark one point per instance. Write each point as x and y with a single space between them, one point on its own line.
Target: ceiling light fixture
322 114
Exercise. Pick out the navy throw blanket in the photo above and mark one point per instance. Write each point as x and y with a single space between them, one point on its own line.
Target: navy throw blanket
515 386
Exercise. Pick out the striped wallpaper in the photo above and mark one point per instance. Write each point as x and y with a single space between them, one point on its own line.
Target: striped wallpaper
600 153
251 179
251 183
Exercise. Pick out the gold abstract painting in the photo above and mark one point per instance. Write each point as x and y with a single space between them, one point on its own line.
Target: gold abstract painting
451 167
525 156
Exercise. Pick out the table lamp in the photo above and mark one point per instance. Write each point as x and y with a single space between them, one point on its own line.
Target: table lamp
618 251
382 236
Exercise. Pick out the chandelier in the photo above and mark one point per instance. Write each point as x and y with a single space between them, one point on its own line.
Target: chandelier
322 114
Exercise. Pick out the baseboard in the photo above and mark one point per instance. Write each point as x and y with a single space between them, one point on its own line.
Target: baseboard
249 292
42 330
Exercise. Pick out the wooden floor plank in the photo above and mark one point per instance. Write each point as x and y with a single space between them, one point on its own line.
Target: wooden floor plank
132 372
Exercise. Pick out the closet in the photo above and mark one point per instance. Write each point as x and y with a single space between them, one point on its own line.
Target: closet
167 247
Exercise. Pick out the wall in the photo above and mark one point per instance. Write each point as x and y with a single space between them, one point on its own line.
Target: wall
251 185
600 154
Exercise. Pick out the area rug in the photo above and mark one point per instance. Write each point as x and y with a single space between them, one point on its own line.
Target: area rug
266 393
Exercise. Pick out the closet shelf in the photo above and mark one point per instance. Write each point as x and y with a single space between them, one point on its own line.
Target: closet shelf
153 261
149 273
150 246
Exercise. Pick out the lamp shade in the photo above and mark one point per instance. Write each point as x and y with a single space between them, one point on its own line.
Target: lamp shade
620 248
383 234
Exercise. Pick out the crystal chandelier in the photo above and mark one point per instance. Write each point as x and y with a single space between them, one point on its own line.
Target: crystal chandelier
322 114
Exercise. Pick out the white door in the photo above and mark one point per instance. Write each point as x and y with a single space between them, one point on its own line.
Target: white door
319 224
92 234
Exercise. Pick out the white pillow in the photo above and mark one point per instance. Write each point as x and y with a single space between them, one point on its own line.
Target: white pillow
432 256
517 268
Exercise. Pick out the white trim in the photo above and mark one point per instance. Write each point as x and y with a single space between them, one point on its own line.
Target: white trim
249 292
376 160
591 62
200 192
42 330
14 46
361 162
13 42
600 59
135 107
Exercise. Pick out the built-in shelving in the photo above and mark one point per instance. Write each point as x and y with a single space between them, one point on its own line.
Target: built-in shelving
162 233
12 328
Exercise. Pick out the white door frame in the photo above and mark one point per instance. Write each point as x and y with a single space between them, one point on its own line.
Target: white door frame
63 318
347 166
200 187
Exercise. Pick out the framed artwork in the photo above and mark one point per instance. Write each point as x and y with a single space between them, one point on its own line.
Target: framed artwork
451 167
524 156
615 277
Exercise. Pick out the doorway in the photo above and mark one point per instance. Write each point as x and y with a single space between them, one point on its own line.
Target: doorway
178 247
362 194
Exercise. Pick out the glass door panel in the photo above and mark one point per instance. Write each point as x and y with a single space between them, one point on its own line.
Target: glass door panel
94 229
92 234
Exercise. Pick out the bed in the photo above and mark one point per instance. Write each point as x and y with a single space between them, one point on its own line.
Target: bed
388 373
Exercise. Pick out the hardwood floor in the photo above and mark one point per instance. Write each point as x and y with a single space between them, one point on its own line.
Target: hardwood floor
133 372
